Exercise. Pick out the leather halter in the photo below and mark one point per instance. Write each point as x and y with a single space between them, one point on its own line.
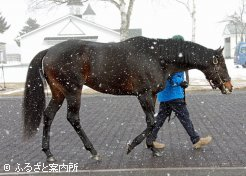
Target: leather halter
216 69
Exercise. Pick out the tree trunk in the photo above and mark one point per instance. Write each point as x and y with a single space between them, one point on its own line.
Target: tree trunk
193 16
125 18
124 23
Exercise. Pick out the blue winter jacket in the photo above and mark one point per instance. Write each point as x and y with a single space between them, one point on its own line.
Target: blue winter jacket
173 90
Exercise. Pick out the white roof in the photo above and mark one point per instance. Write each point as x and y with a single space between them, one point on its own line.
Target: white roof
70 17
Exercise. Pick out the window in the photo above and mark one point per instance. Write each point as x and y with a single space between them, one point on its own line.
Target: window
227 40
243 49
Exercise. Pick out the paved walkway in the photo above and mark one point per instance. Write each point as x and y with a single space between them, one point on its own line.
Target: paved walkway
112 121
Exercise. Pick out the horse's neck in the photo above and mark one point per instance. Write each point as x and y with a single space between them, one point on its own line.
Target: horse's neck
187 59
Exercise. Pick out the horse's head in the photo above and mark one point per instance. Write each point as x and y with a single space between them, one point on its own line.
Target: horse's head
217 74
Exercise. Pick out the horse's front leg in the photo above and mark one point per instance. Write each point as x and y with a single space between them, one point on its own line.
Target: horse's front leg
73 117
147 102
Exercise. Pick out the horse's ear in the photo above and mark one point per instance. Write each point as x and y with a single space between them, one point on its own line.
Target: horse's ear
220 50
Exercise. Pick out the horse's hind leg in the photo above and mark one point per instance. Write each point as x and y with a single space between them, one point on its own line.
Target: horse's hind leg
73 117
147 102
49 114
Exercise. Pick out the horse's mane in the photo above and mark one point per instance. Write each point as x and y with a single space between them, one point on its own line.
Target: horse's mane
185 52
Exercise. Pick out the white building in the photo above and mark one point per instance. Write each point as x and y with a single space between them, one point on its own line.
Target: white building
68 27
232 34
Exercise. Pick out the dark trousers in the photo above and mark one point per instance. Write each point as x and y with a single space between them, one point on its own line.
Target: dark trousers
178 106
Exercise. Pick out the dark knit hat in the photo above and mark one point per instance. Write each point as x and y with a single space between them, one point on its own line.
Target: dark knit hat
178 37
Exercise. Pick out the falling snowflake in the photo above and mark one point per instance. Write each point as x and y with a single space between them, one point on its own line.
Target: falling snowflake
7 132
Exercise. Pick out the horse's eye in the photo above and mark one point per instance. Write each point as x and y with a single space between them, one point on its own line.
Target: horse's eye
216 56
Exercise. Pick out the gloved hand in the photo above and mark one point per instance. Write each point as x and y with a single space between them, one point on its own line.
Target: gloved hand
184 84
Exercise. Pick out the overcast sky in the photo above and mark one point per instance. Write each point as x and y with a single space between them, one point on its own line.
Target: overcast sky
157 18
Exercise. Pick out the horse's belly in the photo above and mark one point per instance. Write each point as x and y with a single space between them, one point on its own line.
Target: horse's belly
111 87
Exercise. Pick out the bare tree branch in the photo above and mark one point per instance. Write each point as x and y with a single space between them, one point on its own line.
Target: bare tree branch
191 8
242 9
129 12
237 20
187 5
113 2
39 4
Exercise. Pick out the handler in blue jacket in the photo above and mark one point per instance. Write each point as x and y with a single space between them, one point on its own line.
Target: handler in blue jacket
172 99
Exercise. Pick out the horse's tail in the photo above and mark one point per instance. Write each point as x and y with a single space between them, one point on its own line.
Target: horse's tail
34 97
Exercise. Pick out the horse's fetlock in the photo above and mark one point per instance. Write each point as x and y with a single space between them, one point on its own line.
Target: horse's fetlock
70 120
45 149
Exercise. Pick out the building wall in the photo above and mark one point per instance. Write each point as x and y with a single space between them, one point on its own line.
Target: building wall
229 46
13 73
33 43
13 58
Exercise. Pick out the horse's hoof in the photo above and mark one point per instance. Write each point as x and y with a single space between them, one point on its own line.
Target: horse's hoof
128 151
97 157
129 148
51 159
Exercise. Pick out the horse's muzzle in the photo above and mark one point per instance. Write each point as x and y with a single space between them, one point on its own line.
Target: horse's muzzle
226 88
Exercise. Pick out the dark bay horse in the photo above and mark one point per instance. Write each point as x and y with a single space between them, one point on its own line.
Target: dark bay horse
138 66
